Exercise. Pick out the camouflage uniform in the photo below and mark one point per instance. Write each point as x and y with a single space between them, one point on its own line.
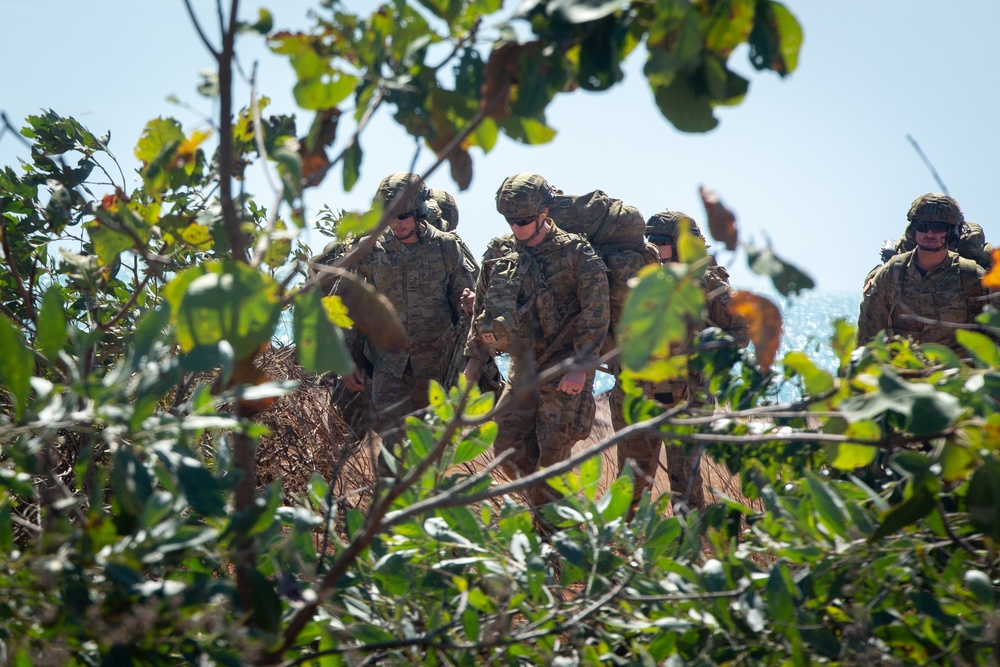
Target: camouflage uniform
355 407
644 450
424 282
899 295
899 291
558 309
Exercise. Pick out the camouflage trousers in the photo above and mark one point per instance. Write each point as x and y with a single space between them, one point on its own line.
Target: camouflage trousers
392 399
643 450
541 430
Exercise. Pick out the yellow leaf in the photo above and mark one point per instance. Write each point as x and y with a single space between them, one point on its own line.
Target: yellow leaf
198 236
337 312
992 279
189 145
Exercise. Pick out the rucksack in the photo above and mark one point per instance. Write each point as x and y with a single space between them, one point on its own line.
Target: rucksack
617 233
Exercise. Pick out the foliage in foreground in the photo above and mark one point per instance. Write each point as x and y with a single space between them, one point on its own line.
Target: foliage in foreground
134 533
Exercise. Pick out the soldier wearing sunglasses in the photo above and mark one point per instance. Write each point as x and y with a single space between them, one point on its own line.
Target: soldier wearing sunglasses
542 297
643 450
423 273
925 294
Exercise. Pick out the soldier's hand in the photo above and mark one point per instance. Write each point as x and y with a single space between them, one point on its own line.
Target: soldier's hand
572 382
473 368
468 301
355 381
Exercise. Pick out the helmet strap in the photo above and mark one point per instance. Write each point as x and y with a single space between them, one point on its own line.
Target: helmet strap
539 226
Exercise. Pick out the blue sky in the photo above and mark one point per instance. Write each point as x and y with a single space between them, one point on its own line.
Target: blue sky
818 164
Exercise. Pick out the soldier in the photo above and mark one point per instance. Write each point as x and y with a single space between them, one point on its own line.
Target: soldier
969 242
355 405
921 293
542 297
683 470
444 210
423 274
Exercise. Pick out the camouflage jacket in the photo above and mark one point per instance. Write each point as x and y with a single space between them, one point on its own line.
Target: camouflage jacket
424 282
904 302
715 284
564 302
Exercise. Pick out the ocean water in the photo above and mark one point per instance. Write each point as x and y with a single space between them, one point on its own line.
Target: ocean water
808 325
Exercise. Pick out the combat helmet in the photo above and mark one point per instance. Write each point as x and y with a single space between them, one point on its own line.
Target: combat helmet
935 207
446 208
523 195
408 184
665 224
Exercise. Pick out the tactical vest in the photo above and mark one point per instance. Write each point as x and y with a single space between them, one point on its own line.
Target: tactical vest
517 299
968 273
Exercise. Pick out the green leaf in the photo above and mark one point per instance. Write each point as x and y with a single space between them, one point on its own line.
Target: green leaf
475 442
352 165
51 336
979 584
319 343
787 278
980 346
160 135
528 130
926 410
654 319
590 475
781 594
150 329
849 455
130 481
324 92
17 364
682 102
202 490
957 461
108 243
917 506
223 300
616 501
420 437
816 380
829 504
983 498
729 25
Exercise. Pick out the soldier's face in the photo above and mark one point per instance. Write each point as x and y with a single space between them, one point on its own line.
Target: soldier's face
523 229
931 239
403 227
666 252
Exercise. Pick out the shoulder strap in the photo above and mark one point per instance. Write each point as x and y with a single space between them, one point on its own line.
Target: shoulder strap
968 271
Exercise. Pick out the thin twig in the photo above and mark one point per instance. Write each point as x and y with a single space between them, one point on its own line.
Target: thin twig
927 163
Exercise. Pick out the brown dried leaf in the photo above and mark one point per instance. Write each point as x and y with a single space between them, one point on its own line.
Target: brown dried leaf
765 324
721 221
499 75
373 314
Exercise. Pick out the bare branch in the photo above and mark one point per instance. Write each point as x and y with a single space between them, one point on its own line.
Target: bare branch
201 33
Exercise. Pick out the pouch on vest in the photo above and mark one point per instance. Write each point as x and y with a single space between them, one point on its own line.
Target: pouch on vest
501 315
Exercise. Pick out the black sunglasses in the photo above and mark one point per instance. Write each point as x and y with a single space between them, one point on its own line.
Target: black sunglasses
661 240
408 214
521 222
934 227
